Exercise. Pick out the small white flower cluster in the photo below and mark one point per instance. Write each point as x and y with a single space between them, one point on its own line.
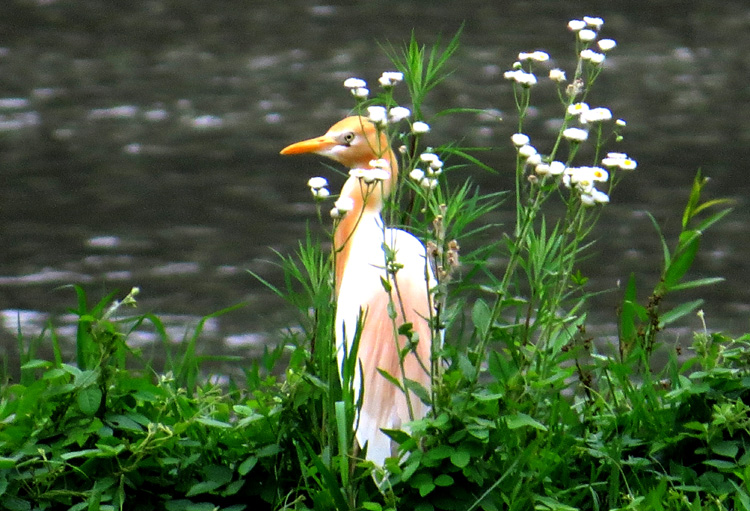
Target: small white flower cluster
583 179
521 77
619 160
359 89
390 78
537 56
587 116
380 116
379 170
433 167
341 207
587 30
318 187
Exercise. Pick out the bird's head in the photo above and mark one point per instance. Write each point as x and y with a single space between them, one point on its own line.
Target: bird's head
354 142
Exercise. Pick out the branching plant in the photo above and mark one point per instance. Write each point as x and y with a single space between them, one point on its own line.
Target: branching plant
528 410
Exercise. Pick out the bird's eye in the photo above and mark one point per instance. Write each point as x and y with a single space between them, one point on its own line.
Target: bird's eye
348 138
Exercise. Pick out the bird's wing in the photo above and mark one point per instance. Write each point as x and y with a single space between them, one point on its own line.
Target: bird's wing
384 405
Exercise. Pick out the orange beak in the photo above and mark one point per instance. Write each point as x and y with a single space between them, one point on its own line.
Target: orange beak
313 145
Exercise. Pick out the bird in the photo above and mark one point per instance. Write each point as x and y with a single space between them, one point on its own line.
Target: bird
359 242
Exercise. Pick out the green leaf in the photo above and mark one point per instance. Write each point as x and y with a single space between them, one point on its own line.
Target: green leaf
664 246
385 374
386 285
682 260
725 448
679 312
460 458
247 465
89 400
422 393
444 480
208 421
440 452
16 504
123 422
6 463
721 464
84 453
423 483
520 420
481 315
396 435
86 378
36 364
698 283
202 487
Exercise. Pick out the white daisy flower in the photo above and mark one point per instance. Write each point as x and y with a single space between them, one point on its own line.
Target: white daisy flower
429 183
593 21
521 77
519 139
599 196
575 134
607 44
398 113
354 83
628 164
556 168
390 78
320 193
534 159
429 157
420 128
576 25
378 115
592 56
317 182
599 174
542 169
342 206
370 175
417 174
586 35
578 108
557 75
436 165
619 156
361 92
527 150
596 115
538 56
380 163
621 122
593 197
587 199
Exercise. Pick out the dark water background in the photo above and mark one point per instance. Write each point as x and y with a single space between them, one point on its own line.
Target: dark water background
139 142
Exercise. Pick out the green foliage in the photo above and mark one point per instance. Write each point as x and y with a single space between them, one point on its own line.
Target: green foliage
529 411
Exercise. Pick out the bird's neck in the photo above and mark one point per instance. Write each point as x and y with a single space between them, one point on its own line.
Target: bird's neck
368 202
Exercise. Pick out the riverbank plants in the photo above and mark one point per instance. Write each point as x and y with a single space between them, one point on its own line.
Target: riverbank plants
528 409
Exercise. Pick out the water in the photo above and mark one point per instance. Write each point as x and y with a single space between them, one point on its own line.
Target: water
139 142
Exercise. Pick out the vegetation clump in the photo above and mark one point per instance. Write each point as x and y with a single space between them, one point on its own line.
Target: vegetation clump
528 410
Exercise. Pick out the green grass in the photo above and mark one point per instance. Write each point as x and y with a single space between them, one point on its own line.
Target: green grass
528 410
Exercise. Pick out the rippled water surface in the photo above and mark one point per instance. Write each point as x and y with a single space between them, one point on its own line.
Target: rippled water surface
139 142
